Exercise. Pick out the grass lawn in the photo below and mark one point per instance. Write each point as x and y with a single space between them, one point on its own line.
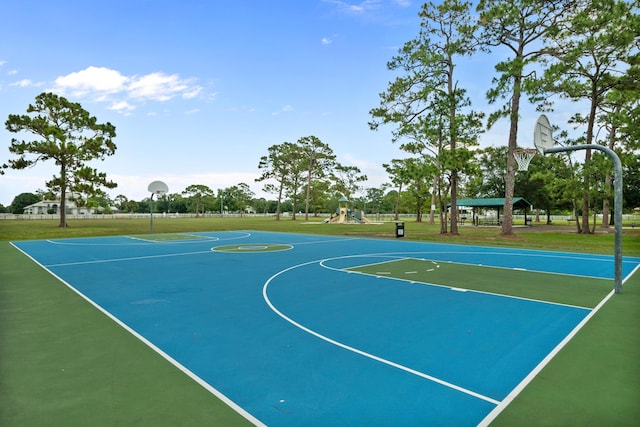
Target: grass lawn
62 362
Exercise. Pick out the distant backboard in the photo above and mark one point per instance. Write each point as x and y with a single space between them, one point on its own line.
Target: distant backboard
158 188
542 134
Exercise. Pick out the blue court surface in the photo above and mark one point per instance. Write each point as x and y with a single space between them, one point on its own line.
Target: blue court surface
279 327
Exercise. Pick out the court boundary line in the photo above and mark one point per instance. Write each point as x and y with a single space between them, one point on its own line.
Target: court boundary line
226 400
544 362
144 242
210 250
198 237
102 261
361 352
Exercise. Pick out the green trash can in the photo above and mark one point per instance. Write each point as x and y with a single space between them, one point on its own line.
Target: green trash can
399 229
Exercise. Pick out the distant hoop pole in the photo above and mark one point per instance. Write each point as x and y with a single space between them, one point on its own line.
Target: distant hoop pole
617 202
151 214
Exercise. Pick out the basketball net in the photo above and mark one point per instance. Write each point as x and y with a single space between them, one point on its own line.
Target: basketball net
523 157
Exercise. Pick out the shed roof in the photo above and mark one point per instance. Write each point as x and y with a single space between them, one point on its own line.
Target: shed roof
497 202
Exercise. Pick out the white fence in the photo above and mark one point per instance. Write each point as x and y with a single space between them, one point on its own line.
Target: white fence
122 216
556 219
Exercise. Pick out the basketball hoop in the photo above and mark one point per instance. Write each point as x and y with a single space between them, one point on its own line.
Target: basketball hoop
158 188
523 157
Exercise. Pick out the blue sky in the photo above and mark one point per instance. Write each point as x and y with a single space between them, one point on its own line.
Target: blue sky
198 90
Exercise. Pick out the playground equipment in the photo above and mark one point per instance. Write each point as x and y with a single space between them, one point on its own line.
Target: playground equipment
345 215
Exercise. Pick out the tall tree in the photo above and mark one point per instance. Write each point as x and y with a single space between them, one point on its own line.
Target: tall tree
242 195
631 172
67 134
319 196
21 201
198 194
373 197
619 115
517 26
428 104
279 165
319 159
589 51
347 180
395 169
121 201
419 173
492 162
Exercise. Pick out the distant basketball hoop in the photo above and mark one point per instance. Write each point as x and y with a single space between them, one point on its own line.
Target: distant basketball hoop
156 188
523 157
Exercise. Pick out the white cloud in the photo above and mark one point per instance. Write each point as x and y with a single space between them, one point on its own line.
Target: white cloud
157 86
98 80
285 109
23 83
122 106
102 84
326 41
192 93
358 8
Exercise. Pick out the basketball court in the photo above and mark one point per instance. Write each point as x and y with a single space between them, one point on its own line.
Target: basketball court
292 329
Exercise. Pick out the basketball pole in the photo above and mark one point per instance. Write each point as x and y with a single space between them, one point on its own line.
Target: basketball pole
151 212
617 203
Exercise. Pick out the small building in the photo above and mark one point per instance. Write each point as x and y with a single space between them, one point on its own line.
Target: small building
45 207
493 204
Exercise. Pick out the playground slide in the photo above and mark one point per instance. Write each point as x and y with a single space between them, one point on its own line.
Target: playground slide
338 219
359 217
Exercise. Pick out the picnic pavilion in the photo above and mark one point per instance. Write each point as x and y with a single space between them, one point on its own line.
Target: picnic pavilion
493 203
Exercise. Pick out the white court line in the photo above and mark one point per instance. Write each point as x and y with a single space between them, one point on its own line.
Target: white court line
246 235
203 238
360 352
100 261
170 359
325 241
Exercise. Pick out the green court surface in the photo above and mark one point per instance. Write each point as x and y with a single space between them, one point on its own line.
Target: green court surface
585 292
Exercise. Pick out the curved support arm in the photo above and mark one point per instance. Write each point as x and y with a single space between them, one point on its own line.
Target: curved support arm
617 202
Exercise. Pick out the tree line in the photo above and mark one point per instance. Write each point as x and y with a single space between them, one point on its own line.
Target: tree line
549 184
583 51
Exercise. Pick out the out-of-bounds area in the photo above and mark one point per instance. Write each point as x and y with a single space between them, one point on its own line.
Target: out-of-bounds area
322 325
